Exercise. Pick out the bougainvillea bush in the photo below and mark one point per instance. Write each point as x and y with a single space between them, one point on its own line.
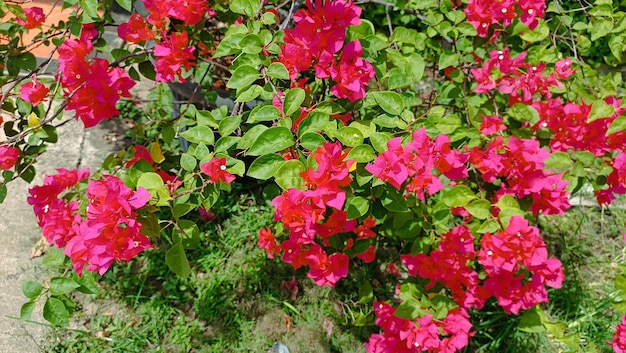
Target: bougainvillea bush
434 130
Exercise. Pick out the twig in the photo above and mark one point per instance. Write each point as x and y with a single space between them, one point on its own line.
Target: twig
117 62
289 16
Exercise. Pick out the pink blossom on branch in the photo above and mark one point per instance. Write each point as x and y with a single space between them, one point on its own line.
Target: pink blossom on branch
34 92
35 17
352 73
136 30
215 169
8 157
110 231
173 54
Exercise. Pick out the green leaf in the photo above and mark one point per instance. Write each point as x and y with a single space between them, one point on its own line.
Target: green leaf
390 102
188 162
243 77
272 140
293 100
228 46
288 175
245 7
125 4
361 154
507 212
249 137
3 192
251 44
311 140
531 322
150 181
249 93
459 195
394 201
266 166
176 260
31 289
558 162
616 44
600 110
150 225
409 309
201 152
25 61
154 184
54 258
190 234
405 35
26 311
61 285
90 8
522 112
349 136
448 58
181 210
199 134
357 206
600 28
366 294
617 125
54 311
480 209
229 124
277 71
379 141
541 32
88 281
410 229
448 124
263 113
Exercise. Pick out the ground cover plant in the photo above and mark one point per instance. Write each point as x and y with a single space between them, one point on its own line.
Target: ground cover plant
411 152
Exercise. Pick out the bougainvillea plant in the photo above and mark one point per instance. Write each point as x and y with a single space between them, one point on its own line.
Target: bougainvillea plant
441 137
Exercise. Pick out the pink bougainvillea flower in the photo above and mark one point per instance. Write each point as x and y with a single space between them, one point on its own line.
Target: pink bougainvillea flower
141 153
619 339
93 88
352 73
8 157
215 169
206 215
57 218
491 125
563 69
324 269
35 17
173 54
34 92
188 11
267 241
135 30
110 231
157 12
424 334
392 165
